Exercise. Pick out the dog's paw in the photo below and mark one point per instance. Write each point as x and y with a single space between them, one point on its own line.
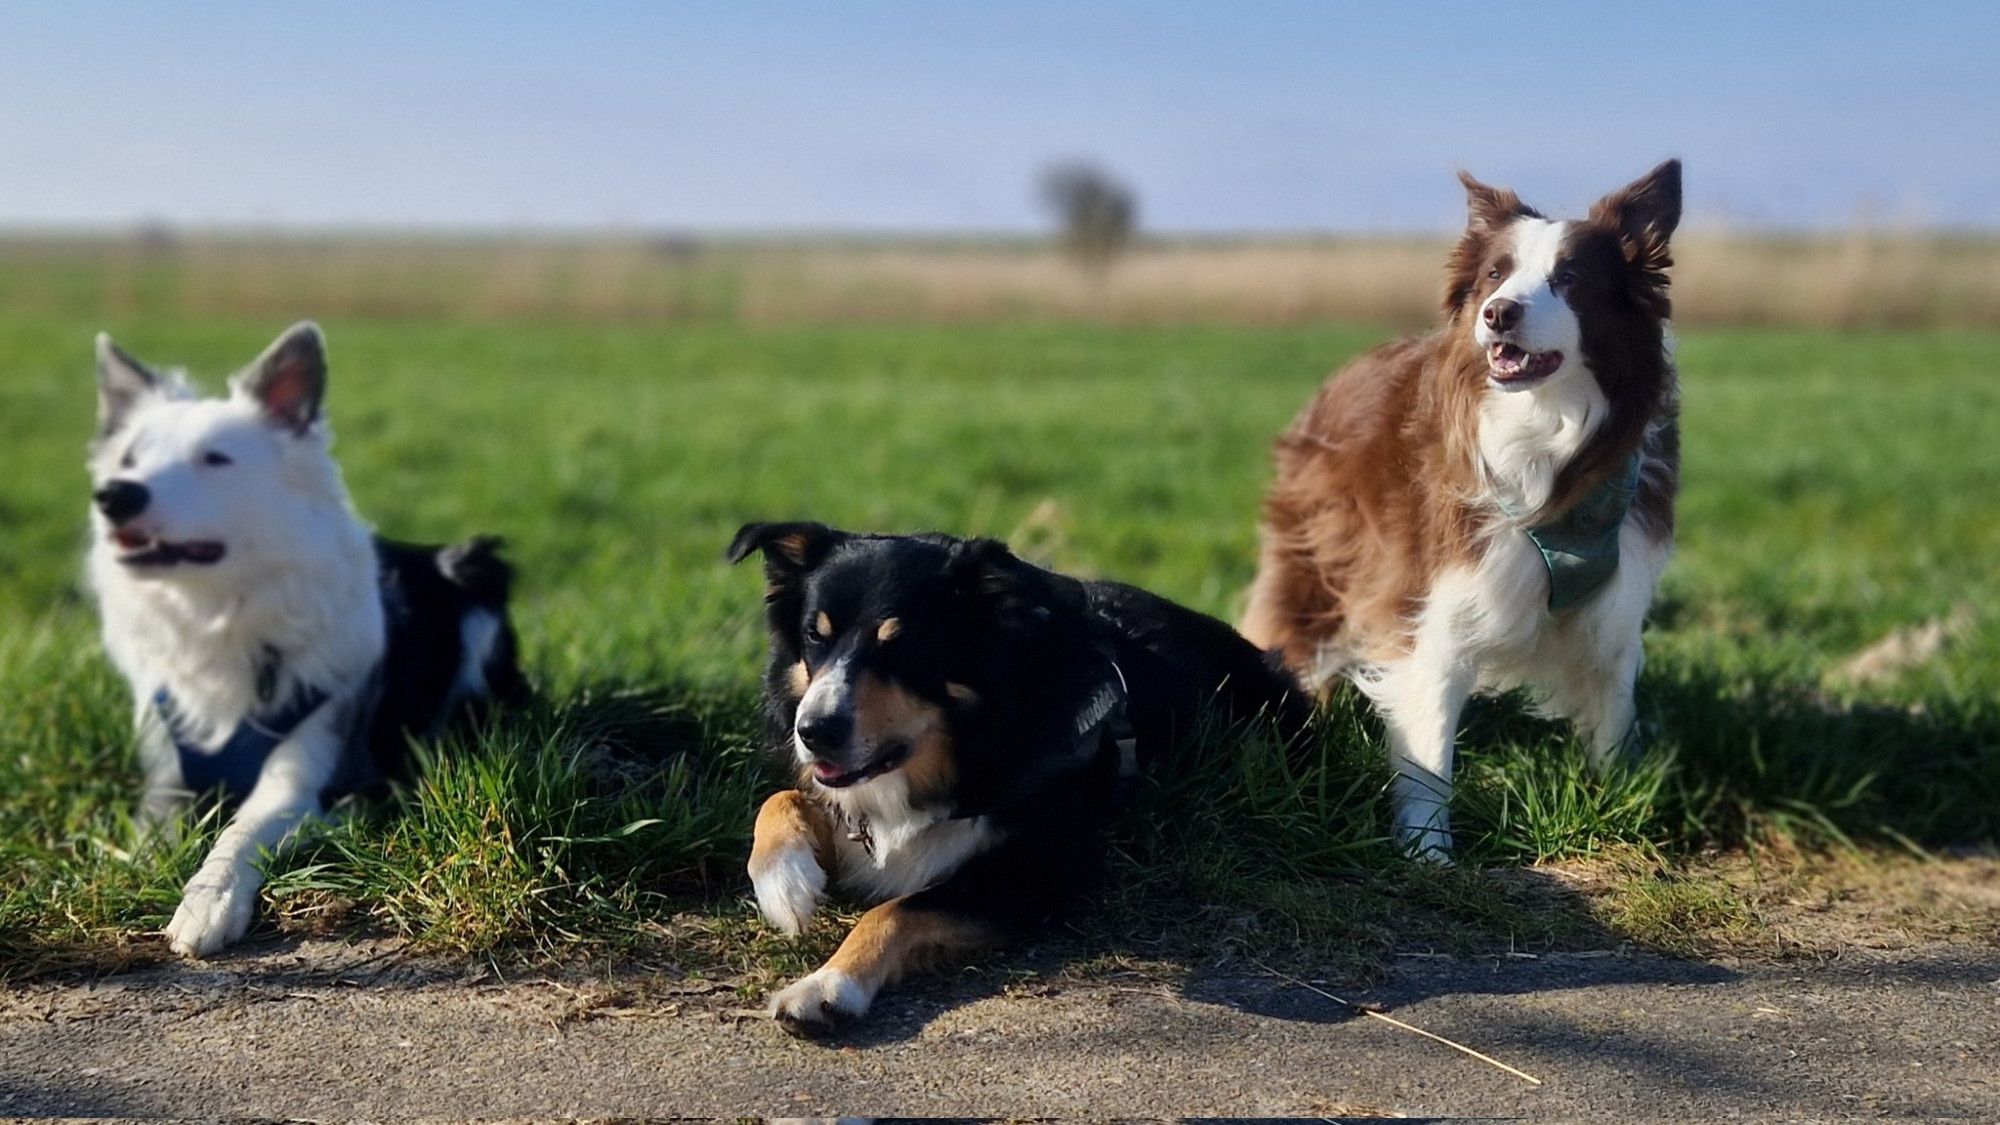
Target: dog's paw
215 910
1426 843
820 1003
789 888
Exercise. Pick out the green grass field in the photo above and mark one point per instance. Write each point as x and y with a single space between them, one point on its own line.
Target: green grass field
1838 488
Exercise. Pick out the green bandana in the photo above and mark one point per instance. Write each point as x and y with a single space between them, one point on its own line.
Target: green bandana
1580 547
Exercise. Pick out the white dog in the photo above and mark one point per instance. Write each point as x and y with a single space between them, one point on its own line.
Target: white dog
280 656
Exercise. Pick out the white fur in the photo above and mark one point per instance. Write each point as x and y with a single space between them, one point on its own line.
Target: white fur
1487 627
825 996
909 848
299 577
478 634
1547 322
789 888
915 851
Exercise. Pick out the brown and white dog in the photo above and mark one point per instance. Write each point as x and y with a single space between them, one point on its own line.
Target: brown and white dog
1490 506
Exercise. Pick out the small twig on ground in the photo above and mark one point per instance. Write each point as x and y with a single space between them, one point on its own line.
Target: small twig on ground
1393 1022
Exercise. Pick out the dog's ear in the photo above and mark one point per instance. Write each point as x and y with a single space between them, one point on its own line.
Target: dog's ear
121 382
1645 213
289 379
791 547
1488 208
791 550
985 569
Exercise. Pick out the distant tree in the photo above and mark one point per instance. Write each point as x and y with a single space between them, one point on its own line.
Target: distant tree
1096 213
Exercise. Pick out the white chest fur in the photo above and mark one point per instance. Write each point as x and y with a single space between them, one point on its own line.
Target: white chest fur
913 860
901 849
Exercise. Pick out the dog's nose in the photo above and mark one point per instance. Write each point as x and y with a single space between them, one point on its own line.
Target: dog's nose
825 734
120 500
1501 314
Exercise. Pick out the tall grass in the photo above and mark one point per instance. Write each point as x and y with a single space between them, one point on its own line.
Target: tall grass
1860 279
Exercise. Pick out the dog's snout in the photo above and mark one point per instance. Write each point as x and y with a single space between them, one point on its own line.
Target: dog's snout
120 500
1502 314
825 733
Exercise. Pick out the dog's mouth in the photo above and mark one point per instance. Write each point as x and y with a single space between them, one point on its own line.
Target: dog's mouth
137 549
1512 366
833 777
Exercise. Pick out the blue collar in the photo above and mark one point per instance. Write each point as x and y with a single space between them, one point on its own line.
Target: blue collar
1580 547
233 767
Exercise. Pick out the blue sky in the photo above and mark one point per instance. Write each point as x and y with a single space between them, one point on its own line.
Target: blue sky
935 116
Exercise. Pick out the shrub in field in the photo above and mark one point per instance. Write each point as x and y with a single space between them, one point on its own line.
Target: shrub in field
1097 213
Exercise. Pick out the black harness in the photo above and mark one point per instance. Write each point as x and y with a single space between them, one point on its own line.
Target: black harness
1104 727
232 768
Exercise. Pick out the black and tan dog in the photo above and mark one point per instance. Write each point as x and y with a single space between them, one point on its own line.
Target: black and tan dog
963 724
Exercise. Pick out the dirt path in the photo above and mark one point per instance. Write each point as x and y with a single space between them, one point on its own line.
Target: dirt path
329 1030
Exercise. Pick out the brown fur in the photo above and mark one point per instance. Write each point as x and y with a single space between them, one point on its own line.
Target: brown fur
1377 487
790 817
884 710
894 939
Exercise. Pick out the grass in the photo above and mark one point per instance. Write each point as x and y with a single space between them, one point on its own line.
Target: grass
1838 488
1859 279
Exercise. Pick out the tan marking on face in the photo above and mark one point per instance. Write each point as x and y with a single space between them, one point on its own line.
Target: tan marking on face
798 678
962 694
895 938
884 711
887 630
822 624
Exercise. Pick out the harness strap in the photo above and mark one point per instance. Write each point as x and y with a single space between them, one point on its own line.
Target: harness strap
233 766
1101 726
1580 547
1104 726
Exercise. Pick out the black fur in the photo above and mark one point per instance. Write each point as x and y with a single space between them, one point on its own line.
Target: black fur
1032 648
427 591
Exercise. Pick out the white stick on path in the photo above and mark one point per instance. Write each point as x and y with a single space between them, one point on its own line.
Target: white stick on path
1393 1022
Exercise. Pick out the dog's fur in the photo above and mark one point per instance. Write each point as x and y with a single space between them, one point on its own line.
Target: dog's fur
953 715
233 575
1389 554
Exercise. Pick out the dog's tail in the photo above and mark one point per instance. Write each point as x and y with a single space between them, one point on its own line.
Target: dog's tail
476 567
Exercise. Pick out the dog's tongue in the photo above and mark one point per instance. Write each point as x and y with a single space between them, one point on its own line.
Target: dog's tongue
1510 362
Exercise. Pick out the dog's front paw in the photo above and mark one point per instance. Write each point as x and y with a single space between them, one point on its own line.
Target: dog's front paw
820 1003
789 889
1427 841
215 910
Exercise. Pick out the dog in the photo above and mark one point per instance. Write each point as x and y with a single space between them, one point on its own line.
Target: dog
1490 506
963 725
280 656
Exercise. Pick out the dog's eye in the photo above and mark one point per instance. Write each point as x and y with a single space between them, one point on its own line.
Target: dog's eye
1493 275
821 630
217 457
1564 277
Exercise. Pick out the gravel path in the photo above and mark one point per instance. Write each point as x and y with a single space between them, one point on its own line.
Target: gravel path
331 1030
